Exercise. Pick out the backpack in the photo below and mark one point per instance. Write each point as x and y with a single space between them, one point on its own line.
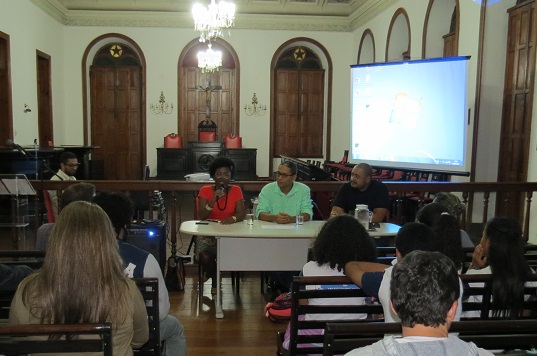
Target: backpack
280 309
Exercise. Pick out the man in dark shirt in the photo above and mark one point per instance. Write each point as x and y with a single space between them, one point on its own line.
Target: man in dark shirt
11 276
362 190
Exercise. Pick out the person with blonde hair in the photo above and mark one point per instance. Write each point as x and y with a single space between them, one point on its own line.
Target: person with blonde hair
82 281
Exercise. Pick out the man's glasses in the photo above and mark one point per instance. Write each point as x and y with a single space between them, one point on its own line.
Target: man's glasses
226 175
284 175
72 165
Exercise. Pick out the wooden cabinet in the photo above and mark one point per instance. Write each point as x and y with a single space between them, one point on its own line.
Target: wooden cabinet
245 162
173 163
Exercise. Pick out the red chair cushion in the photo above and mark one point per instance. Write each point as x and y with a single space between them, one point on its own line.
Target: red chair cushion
206 136
48 206
173 141
233 141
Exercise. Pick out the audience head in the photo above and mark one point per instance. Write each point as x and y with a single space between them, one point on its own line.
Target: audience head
343 239
222 167
82 244
414 236
447 235
76 192
423 288
451 202
286 175
68 163
118 207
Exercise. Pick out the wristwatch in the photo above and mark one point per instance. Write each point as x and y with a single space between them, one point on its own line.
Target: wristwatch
234 218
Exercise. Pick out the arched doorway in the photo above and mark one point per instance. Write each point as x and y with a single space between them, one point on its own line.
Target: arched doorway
301 78
215 94
115 69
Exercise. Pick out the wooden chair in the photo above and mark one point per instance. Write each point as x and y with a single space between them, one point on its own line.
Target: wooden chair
13 341
149 289
299 292
340 338
485 291
233 141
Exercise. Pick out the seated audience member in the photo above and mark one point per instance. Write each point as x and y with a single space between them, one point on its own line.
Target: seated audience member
11 276
75 192
374 278
342 239
68 167
428 213
141 264
281 202
82 281
424 294
362 189
455 207
223 202
501 253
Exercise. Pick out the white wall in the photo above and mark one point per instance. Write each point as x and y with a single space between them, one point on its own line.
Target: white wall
29 30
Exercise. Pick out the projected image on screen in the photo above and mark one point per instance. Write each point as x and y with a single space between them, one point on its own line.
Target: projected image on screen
410 114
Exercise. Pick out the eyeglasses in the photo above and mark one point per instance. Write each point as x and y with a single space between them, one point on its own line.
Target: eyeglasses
284 175
226 175
72 165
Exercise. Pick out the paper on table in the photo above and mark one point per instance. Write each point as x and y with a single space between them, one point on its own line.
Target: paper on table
278 227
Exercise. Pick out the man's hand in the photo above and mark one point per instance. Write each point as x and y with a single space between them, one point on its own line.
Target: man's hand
336 210
283 218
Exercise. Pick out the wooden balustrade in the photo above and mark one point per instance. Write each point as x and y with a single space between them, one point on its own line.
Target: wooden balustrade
399 190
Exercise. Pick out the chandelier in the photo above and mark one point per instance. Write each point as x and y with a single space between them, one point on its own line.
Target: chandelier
210 60
212 20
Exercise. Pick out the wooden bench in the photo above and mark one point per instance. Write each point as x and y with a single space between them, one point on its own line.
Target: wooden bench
485 291
340 338
13 339
299 291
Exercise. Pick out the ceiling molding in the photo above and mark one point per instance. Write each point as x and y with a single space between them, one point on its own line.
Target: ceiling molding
362 15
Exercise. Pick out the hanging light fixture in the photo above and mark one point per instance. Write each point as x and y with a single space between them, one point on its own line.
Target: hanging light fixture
210 60
211 20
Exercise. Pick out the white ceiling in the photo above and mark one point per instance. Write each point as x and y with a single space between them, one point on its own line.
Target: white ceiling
320 15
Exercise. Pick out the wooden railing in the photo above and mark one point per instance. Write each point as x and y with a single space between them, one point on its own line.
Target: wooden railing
400 191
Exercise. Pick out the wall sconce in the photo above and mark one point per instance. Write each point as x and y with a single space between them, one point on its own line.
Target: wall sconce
162 107
255 109
27 109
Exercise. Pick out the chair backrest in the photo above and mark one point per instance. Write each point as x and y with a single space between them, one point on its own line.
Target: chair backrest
10 345
206 136
484 289
173 141
340 338
149 289
48 206
233 141
311 344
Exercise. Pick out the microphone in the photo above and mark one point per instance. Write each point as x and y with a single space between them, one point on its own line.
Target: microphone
10 143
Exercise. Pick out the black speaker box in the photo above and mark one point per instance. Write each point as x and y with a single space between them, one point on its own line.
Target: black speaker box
150 237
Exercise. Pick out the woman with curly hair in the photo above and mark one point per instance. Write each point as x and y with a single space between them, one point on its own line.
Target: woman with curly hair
223 202
342 239
82 281
501 253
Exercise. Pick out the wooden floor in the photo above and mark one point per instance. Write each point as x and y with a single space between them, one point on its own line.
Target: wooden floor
243 331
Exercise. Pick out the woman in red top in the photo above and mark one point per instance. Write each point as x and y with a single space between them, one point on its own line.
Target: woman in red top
222 202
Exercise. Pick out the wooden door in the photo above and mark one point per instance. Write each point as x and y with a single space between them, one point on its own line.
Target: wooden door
6 114
221 109
517 107
116 121
298 124
44 100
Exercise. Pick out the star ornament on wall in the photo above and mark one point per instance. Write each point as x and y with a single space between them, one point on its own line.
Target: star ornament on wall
299 54
116 51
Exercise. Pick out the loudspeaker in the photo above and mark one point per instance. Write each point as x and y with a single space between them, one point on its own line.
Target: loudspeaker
150 237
